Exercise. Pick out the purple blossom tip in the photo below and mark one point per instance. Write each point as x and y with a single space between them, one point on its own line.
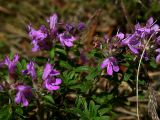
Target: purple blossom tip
30 70
53 21
11 63
23 92
120 36
111 64
52 83
49 74
81 26
38 37
66 40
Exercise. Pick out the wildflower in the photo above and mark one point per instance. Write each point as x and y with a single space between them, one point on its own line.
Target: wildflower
30 70
111 64
81 26
50 82
158 56
66 39
120 36
23 93
158 40
11 63
38 37
69 28
49 72
52 23
132 42
148 29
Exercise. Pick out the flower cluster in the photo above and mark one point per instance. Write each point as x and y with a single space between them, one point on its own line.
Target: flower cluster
24 92
136 42
44 37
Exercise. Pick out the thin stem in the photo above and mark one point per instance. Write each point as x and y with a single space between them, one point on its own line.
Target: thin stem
126 14
138 71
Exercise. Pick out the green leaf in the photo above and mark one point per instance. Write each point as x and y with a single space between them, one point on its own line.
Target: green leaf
141 82
126 76
102 118
93 73
23 63
81 69
52 53
5 113
65 64
93 109
62 51
104 110
153 63
49 98
19 67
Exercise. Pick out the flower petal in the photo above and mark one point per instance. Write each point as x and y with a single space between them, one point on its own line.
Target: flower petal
53 21
68 43
24 101
134 50
158 50
158 58
149 22
18 97
104 63
58 81
54 72
47 71
116 68
109 69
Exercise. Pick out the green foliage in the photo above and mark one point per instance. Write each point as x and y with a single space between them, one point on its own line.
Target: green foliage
6 112
89 111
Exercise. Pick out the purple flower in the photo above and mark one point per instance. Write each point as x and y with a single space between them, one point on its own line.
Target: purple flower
30 70
49 72
158 40
23 92
111 64
158 56
66 39
11 63
37 34
1 88
81 26
132 41
120 36
149 29
69 28
52 23
38 37
50 82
